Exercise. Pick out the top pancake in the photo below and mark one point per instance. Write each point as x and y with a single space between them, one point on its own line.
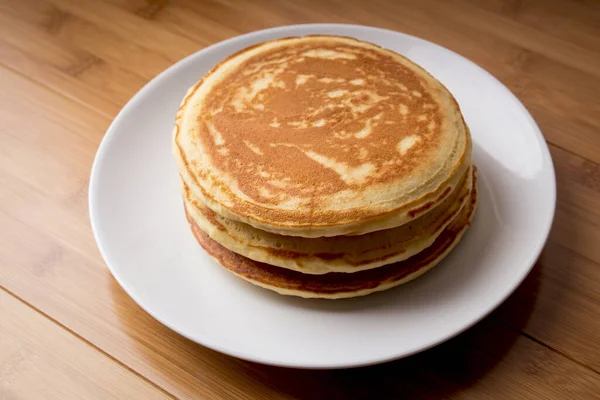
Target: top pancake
320 136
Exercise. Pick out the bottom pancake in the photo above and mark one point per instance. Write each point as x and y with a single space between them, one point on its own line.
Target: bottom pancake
337 285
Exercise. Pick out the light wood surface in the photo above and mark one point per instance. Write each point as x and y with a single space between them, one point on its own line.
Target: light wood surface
67 330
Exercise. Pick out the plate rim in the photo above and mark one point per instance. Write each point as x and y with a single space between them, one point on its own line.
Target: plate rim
102 151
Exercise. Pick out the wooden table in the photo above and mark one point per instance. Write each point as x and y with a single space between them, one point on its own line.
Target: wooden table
67 330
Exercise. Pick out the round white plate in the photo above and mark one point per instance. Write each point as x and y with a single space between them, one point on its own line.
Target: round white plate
138 221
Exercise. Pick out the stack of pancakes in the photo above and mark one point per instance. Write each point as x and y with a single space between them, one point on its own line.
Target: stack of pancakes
324 166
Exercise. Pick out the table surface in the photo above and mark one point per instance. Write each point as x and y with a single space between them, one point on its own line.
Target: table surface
67 330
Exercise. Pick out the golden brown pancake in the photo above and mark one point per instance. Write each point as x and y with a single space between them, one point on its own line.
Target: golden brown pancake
320 136
330 254
336 284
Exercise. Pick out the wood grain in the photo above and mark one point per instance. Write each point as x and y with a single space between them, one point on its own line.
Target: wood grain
70 65
39 359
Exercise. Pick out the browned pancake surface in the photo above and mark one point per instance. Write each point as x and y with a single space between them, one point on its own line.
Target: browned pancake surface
301 254
298 135
335 283
336 103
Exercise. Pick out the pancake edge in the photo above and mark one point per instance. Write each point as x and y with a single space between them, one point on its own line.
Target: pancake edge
385 285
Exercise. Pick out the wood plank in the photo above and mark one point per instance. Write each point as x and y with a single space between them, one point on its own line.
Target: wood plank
37 48
74 34
206 20
48 217
51 363
573 21
518 368
131 28
514 32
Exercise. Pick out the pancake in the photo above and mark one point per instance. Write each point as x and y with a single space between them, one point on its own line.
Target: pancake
338 285
320 136
330 254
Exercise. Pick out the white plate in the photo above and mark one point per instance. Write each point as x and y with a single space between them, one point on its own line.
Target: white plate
137 218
